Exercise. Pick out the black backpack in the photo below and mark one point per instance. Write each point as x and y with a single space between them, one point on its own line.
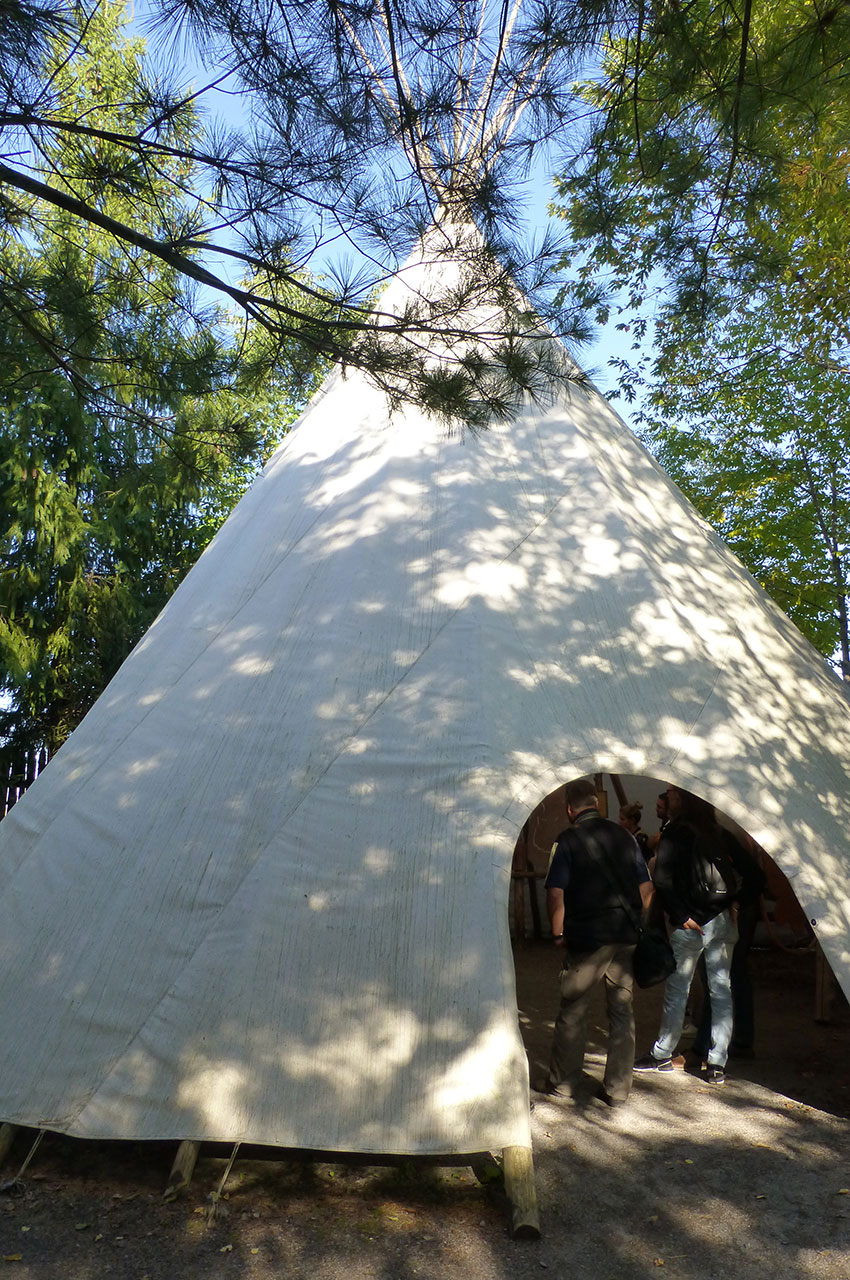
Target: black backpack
715 882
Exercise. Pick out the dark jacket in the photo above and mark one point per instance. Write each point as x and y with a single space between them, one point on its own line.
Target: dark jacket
674 873
596 865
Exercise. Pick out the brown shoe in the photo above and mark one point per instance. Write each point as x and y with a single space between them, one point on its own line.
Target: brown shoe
604 1096
544 1088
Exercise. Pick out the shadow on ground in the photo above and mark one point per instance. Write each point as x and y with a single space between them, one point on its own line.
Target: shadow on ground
686 1182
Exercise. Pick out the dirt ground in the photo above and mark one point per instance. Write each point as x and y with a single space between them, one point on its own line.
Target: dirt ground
795 1055
88 1210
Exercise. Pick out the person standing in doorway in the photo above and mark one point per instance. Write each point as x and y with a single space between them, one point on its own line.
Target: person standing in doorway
630 819
698 887
747 856
662 813
597 885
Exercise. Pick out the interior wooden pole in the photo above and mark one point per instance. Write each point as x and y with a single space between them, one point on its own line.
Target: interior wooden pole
536 922
487 1169
618 788
182 1169
521 1192
824 986
518 903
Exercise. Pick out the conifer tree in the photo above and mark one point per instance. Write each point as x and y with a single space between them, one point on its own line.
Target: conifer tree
126 426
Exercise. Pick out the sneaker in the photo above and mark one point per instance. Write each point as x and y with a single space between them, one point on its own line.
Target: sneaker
715 1075
650 1063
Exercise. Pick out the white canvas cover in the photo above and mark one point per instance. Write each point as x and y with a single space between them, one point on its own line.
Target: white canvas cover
261 893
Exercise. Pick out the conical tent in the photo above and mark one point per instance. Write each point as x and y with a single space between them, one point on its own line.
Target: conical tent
261 893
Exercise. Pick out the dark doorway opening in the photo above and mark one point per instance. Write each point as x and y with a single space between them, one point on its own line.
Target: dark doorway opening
802 1042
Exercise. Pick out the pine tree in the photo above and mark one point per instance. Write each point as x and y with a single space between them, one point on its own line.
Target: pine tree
362 125
126 427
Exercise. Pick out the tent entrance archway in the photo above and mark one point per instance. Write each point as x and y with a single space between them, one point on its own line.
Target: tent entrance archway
784 921
802 1017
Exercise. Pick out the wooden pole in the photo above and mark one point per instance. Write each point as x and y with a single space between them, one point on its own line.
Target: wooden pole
487 1169
518 906
521 1192
536 922
824 986
618 788
517 893
182 1169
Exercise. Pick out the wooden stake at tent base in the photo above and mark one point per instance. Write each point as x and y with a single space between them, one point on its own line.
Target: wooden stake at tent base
7 1137
521 1192
182 1169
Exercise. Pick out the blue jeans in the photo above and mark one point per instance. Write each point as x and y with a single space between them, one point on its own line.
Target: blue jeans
717 941
743 1011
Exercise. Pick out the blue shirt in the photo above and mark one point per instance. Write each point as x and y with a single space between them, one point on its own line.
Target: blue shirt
561 865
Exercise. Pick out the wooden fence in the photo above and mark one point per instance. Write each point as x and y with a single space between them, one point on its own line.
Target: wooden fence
16 774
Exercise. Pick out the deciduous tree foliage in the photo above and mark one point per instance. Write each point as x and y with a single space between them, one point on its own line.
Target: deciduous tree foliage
757 433
710 201
703 118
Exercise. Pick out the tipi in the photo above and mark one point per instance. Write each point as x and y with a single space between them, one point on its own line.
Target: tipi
261 893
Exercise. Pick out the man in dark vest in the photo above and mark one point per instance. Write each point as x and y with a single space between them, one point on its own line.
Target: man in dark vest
597 885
